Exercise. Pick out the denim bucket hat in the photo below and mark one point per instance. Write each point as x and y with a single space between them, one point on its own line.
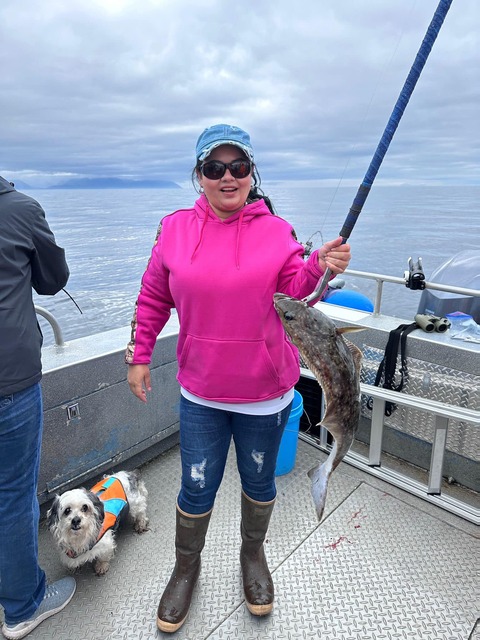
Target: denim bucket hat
219 134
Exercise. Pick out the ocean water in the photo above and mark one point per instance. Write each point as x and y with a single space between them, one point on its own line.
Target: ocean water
108 235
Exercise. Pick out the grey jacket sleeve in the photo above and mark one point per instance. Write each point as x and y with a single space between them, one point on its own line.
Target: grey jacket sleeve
49 267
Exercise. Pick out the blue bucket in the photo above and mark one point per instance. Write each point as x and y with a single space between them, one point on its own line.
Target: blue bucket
288 445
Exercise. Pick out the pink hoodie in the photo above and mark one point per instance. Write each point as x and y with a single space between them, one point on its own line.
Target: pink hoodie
221 275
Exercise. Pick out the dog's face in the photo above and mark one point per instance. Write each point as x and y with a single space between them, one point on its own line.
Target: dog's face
75 518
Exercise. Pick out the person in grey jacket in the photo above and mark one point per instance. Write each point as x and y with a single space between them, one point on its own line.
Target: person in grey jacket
29 257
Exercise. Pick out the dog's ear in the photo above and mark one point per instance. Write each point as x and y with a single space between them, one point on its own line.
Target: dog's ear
97 506
53 513
134 479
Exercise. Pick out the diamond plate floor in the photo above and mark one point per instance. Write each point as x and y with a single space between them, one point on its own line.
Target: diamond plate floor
383 565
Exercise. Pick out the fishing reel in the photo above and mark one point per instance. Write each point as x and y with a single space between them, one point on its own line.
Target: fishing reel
414 277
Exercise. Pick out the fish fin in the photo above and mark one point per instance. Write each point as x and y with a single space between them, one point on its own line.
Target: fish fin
357 354
350 329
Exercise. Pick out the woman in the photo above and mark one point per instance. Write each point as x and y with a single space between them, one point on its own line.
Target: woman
219 264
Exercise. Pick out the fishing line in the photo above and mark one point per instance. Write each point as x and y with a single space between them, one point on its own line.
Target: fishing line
74 302
362 127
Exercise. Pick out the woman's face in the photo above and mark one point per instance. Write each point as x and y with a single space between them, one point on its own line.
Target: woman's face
227 195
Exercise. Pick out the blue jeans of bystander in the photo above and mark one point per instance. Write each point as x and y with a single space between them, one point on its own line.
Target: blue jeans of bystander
22 581
205 436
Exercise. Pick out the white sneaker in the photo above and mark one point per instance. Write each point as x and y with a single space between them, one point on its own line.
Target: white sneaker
57 596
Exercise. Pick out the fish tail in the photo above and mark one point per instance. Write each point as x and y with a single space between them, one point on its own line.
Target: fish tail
319 476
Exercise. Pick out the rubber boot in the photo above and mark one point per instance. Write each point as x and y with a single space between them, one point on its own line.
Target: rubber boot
189 542
257 580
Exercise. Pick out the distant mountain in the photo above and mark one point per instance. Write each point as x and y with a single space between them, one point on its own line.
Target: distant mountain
20 185
115 183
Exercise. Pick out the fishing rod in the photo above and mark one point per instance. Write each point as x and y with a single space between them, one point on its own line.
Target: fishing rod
392 124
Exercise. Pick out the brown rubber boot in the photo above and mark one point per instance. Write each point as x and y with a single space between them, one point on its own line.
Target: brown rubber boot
189 542
257 580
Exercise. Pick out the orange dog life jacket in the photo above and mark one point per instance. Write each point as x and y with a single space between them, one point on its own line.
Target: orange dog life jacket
111 492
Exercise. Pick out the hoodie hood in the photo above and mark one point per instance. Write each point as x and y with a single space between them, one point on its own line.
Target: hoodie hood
5 186
244 216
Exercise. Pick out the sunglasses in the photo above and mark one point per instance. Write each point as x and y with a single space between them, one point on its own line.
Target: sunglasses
214 170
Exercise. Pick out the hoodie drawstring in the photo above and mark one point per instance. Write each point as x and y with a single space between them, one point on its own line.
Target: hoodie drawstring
201 235
237 241
237 244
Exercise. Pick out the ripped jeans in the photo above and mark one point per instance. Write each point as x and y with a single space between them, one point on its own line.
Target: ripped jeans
205 436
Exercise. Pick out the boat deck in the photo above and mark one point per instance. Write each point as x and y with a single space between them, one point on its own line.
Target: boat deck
383 564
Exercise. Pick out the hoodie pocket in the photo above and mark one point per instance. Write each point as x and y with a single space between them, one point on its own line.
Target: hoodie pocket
232 370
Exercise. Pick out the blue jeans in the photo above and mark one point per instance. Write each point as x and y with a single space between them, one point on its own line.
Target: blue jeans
22 581
205 436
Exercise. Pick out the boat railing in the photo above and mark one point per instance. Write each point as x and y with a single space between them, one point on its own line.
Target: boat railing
381 278
443 413
57 331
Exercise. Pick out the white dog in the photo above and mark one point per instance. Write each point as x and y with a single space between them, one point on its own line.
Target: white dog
84 523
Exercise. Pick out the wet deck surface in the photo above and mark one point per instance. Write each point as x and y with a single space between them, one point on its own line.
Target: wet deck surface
382 565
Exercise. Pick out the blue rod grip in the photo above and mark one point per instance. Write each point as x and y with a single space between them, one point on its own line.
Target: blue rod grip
394 120
407 90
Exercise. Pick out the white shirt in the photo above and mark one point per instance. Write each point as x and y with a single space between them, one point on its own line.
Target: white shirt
262 408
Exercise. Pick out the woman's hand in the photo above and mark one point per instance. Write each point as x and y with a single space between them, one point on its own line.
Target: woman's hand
139 380
334 255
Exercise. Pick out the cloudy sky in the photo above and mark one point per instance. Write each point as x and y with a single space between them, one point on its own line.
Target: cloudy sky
124 87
